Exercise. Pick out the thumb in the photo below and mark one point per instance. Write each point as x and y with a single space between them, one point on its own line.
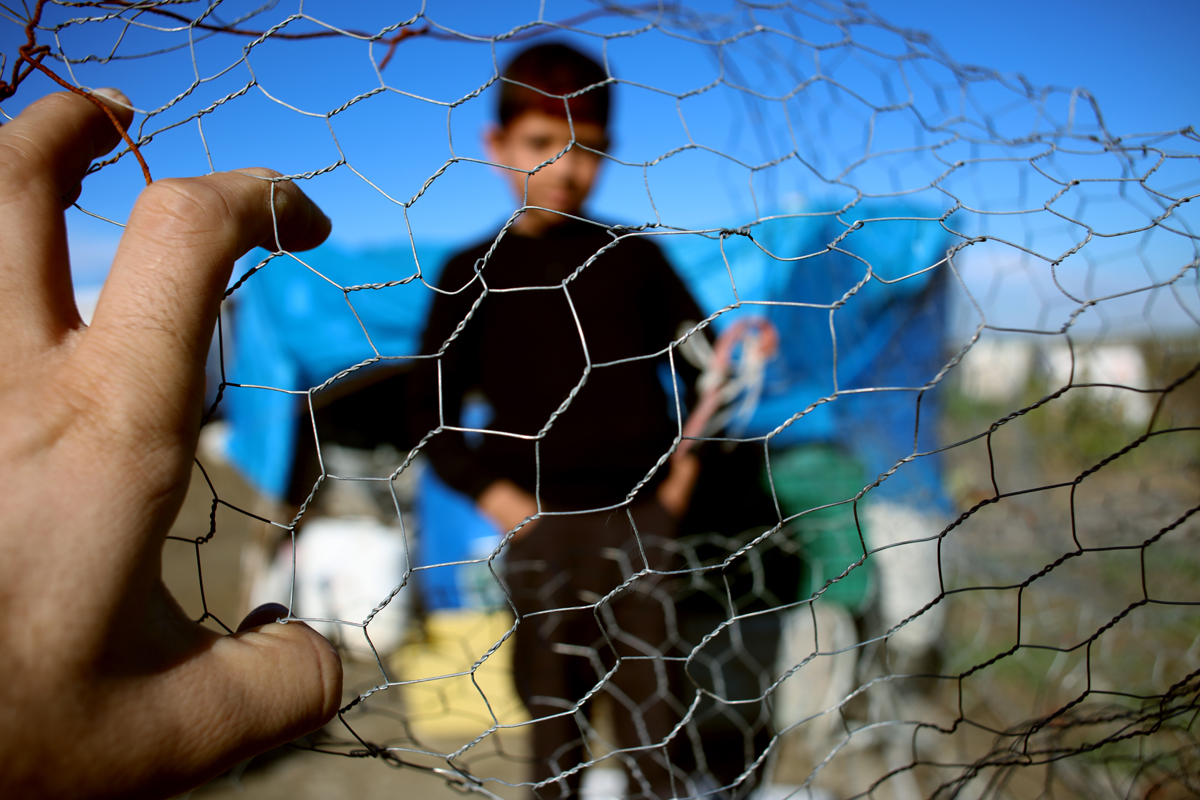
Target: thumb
265 686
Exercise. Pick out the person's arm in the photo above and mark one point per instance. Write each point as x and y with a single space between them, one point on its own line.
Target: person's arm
681 309
433 398
507 505
108 688
683 470
501 500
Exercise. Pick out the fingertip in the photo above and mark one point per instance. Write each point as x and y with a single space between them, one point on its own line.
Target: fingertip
118 97
120 105
58 135
307 226
318 668
300 224
252 691
331 675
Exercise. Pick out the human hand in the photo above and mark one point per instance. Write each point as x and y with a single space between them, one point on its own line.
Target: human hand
108 688
675 492
508 505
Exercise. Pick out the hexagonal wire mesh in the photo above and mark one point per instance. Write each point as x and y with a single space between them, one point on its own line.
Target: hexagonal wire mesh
948 334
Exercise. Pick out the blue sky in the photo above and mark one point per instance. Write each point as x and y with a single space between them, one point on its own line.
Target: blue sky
1137 60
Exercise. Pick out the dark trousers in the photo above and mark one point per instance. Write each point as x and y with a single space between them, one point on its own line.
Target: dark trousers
587 628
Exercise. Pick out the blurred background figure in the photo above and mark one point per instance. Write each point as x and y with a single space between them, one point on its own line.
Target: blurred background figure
851 411
530 329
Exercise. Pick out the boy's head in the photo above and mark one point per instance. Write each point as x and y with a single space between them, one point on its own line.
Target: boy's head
533 127
553 71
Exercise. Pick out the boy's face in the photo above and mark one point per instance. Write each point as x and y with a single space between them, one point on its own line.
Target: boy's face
534 138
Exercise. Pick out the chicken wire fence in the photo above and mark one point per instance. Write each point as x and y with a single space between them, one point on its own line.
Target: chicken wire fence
952 336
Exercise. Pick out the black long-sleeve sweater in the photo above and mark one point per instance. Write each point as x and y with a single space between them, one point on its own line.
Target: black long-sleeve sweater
525 348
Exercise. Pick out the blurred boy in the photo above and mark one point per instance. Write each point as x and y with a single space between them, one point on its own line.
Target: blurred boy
559 327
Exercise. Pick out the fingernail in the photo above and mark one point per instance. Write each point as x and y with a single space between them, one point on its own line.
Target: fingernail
263 615
116 95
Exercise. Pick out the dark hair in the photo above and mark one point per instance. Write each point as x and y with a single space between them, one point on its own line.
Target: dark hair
556 70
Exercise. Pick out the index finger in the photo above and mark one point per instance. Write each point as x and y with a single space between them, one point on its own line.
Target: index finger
45 152
156 314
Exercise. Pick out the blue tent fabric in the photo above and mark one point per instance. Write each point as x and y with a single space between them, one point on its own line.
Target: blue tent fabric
452 529
295 327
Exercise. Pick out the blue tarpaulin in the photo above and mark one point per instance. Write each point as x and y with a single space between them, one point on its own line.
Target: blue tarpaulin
294 327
